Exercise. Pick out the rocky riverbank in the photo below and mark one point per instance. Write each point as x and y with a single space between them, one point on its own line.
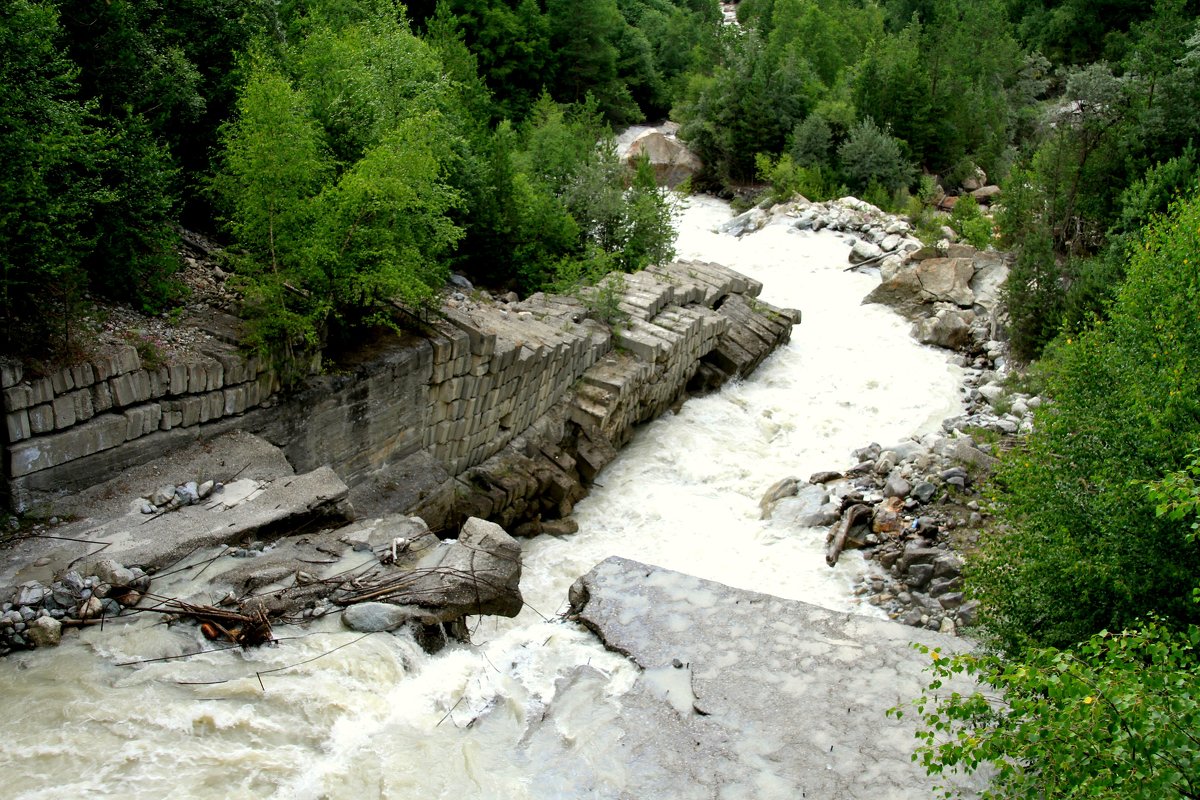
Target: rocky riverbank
913 507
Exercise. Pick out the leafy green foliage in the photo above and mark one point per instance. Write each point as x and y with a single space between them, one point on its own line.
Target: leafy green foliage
339 208
970 223
1116 717
788 180
1080 548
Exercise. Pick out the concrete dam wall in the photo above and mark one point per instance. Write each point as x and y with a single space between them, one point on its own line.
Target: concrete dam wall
501 411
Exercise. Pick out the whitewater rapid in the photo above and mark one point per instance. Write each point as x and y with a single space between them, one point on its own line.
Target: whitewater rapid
379 718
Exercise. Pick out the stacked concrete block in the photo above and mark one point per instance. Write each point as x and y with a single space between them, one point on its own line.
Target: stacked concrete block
78 411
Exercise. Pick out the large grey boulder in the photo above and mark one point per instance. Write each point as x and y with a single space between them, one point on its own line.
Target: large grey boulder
671 160
749 222
864 251
44 632
479 573
921 283
808 508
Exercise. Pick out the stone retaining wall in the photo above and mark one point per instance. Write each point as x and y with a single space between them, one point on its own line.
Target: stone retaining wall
420 416
55 422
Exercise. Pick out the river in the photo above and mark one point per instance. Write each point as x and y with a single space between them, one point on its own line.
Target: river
379 718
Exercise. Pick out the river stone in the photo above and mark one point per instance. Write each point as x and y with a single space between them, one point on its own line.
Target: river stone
896 486
112 573
377 617
162 495
44 632
91 608
806 509
30 593
864 251
784 487
924 491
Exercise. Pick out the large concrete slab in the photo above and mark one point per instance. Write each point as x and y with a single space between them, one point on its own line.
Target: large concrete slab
745 695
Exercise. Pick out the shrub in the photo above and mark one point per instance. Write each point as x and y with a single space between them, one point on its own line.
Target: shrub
1116 718
788 179
970 223
812 142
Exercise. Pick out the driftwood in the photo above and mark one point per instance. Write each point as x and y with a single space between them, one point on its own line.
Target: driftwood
222 624
837 536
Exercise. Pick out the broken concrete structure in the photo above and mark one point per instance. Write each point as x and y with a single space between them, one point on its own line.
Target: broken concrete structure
747 695
499 411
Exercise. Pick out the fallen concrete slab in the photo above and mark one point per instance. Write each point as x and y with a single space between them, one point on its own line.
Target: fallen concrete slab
744 695
262 498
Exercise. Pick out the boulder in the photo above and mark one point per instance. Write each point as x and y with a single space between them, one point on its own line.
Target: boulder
808 508
976 180
921 283
984 195
749 222
377 617
112 573
44 632
950 328
30 593
671 161
479 573
896 486
864 251
785 487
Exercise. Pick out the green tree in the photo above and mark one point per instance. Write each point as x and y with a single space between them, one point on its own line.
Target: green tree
1078 549
47 187
869 155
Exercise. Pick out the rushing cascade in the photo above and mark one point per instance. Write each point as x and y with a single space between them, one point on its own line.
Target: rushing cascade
330 713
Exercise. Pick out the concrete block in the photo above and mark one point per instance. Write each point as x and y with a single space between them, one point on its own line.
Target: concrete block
62 381
177 378
18 397
214 376
82 398
170 419
160 382
41 390
252 394
64 412
43 452
136 419
101 397
235 400
41 418
190 408
212 406
18 425
126 360
10 374
83 375
197 378
122 390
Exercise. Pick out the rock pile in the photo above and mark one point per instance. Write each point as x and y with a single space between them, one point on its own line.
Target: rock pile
169 498
35 614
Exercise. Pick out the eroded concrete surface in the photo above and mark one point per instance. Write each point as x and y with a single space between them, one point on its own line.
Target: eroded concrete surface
744 695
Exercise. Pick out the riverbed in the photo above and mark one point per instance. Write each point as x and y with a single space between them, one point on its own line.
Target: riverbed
333 714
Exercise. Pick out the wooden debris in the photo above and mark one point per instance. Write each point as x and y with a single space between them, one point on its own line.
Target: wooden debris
837 536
